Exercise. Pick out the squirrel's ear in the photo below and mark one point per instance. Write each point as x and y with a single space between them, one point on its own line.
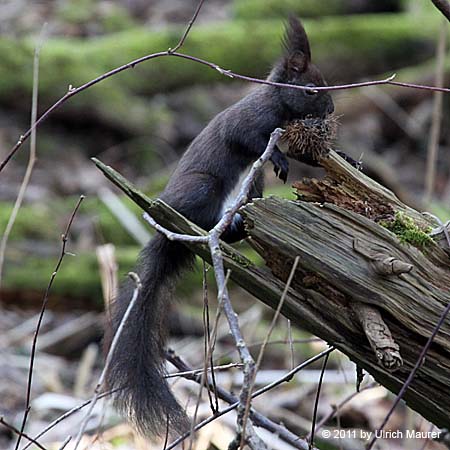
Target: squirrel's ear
296 41
295 63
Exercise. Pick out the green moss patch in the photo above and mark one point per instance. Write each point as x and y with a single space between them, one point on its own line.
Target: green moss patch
408 231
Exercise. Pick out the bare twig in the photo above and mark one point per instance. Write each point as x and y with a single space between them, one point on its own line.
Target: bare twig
32 157
188 28
213 240
411 375
74 91
216 255
208 343
290 342
433 142
67 414
193 372
266 340
64 239
65 443
338 407
174 236
316 402
287 377
442 227
443 6
21 433
242 197
109 357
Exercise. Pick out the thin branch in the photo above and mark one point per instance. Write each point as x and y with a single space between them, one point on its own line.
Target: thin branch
64 239
221 368
339 406
32 157
436 117
266 340
213 240
109 357
287 377
316 402
443 6
258 418
65 443
219 272
173 236
188 28
208 343
74 91
411 375
290 342
21 433
442 227
242 197
66 415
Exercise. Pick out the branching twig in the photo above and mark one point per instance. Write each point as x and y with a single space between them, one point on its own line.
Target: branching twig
258 418
266 340
174 236
219 272
32 157
188 28
436 116
195 372
213 240
338 407
411 375
21 433
109 357
67 414
442 226
209 343
287 377
74 91
316 402
64 239
242 197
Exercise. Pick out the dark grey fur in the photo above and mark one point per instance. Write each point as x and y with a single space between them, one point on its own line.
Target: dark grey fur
206 175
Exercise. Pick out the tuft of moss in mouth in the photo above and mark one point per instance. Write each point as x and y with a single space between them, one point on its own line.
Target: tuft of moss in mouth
311 136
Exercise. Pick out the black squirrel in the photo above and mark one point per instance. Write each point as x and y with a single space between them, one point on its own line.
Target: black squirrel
199 189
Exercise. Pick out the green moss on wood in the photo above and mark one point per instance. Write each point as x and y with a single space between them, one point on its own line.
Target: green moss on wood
408 231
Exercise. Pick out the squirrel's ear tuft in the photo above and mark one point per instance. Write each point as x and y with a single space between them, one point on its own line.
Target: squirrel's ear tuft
295 39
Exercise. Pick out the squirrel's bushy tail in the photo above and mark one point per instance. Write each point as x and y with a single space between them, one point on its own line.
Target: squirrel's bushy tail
137 366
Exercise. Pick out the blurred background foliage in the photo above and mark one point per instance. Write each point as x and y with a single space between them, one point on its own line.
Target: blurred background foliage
141 120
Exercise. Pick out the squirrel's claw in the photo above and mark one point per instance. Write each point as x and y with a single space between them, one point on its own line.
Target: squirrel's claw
280 165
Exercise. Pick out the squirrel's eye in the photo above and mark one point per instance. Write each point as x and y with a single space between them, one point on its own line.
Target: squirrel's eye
308 92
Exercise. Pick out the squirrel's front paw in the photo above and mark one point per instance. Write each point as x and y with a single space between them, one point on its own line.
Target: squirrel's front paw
280 165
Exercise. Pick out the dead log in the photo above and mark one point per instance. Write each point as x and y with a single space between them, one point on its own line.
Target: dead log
354 286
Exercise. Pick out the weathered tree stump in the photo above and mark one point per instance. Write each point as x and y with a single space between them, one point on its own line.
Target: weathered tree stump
358 286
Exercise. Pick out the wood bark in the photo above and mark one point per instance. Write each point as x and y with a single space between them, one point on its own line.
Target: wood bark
336 282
